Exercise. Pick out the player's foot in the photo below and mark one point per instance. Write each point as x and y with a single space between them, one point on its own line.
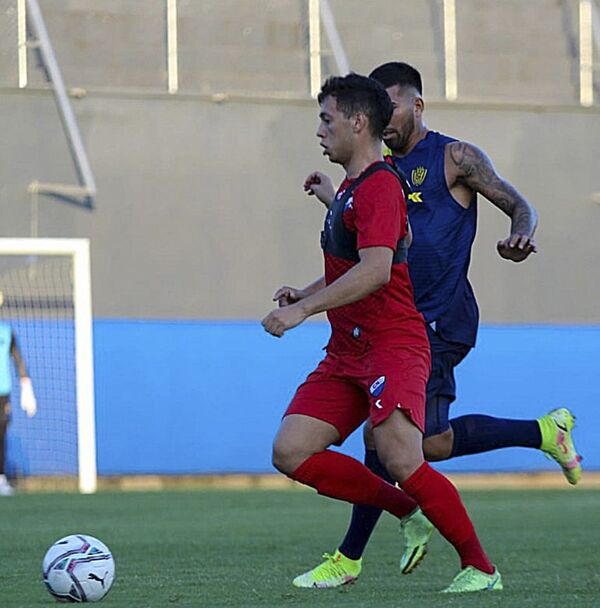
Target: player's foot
417 530
5 488
470 579
557 442
336 570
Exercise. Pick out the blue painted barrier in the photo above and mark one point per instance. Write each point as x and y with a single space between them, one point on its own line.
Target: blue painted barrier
185 397
45 444
205 397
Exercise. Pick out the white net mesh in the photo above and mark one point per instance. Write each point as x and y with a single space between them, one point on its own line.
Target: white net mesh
37 294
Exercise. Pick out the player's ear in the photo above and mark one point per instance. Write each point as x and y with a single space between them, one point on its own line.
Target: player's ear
419 105
360 122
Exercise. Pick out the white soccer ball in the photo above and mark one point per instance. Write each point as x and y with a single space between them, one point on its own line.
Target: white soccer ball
78 568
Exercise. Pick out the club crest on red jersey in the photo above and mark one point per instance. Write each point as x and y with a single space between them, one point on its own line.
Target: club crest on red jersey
377 387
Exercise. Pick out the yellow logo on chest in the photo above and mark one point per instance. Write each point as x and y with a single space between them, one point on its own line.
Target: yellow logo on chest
418 175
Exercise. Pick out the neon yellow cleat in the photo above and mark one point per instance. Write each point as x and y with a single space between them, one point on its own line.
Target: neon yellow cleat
470 579
417 530
335 571
557 442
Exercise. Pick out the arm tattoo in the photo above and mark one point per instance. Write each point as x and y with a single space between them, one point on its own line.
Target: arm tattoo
473 168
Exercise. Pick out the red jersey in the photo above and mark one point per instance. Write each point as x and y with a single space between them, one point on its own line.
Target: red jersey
370 211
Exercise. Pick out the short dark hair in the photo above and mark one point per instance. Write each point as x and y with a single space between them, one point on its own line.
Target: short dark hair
356 93
398 73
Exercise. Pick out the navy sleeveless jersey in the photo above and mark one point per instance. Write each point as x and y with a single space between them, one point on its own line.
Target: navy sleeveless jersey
443 234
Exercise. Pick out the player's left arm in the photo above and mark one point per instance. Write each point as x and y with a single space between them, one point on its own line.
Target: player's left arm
18 358
28 400
372 272
468 165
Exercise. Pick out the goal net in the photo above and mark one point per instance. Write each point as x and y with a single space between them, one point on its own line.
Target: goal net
46 301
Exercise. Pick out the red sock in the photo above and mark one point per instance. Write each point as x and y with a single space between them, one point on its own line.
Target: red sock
338 476
441 502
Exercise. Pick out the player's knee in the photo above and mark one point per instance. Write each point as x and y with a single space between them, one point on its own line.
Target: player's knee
280 457
438 447
401 466
287 457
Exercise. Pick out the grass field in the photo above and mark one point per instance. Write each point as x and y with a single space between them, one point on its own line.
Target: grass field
210 548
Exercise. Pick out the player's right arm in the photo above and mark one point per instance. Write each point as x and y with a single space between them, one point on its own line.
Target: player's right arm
320 185
372 272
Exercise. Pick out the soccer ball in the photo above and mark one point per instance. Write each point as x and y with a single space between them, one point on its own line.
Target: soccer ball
78 568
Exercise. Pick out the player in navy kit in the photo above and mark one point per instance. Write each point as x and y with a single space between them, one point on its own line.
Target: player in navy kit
445 176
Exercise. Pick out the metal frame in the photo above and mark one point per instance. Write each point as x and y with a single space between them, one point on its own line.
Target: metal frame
79 249
586 54
87 187
314 46
172 48
450 51
22 42
333 35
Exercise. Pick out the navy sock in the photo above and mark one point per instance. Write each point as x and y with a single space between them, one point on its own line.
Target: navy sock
475 433
364 517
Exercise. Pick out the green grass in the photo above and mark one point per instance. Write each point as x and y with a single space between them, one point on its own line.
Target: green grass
242 548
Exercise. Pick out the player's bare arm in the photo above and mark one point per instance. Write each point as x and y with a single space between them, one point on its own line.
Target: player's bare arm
468 166
285 295
28 400
372 272
18 359
320 185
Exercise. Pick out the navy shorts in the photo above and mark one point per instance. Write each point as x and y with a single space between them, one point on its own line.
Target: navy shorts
441 386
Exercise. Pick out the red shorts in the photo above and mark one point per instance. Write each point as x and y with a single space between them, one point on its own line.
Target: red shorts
344 391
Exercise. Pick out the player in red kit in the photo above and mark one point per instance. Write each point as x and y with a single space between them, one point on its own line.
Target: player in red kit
378 360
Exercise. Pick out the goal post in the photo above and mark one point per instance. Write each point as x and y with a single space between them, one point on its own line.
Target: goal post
46 287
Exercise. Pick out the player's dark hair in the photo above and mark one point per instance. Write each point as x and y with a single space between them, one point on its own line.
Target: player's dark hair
355 93
398 73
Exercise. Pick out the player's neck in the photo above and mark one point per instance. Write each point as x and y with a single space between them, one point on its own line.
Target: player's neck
418 135
361 159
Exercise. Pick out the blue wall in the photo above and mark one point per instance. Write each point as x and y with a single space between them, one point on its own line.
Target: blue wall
200 397
45 444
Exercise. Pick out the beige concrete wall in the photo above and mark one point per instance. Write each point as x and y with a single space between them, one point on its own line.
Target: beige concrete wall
201 214
513 50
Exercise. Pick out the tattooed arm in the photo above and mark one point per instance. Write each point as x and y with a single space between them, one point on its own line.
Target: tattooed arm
468 166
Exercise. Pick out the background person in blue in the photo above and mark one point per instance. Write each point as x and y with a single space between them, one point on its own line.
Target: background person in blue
8 348
445 176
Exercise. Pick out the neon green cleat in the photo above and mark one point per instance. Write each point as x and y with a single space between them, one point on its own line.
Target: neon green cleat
335 571
557 442
417 530
470 579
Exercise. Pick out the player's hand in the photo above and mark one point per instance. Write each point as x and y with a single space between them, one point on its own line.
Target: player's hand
278 321
516 247
320 185
285 296
28 401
